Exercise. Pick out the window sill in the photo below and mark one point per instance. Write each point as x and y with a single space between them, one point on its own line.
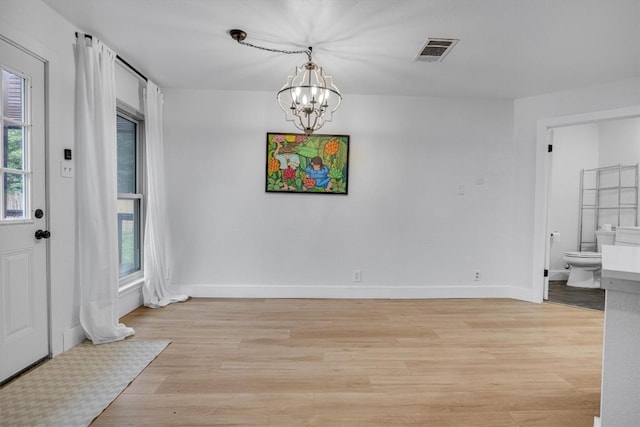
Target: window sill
132 286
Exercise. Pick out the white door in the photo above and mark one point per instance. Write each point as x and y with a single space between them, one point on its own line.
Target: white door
24 319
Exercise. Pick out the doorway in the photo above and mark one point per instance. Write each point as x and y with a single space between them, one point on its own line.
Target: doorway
542 227
593 190
24 302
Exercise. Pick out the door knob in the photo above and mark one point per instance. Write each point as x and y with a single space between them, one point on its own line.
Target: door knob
42 234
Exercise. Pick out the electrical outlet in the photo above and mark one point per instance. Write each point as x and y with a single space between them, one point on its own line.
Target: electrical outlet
357 276
66 168
476 274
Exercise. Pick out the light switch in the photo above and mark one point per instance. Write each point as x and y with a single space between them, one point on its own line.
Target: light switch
461 189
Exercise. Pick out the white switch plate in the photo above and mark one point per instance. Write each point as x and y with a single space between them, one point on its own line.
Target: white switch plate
461 189
66 168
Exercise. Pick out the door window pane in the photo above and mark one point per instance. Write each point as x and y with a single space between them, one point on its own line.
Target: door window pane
126 156
13 96
129 235
14 147
14 196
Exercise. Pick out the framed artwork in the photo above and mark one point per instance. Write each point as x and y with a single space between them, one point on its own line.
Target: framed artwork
298 163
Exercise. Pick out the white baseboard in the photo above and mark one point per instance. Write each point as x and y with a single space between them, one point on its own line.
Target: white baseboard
596 422
558 274
72 337
130 298
360 292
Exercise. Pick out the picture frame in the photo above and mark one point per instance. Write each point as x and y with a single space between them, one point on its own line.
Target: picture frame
310 164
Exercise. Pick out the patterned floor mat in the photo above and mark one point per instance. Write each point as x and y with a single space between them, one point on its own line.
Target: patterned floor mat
76 386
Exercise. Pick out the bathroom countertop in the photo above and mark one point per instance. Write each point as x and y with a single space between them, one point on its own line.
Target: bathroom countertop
622 264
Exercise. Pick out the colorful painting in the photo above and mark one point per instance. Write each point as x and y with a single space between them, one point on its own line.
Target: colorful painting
298 163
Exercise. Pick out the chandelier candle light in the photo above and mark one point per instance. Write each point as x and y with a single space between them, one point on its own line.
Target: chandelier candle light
309 97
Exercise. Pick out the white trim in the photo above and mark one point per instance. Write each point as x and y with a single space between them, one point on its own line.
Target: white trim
130 297
347 292
72 337
541 204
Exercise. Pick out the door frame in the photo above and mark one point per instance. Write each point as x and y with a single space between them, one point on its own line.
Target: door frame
46 144
544 138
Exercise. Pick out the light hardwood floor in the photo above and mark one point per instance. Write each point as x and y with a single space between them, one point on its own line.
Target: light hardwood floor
278 362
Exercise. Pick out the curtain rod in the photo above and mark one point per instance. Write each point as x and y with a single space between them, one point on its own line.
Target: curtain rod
131 67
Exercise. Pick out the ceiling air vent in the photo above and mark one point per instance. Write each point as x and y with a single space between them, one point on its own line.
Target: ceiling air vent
436 49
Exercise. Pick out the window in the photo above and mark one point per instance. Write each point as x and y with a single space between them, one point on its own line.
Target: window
14 150
130 197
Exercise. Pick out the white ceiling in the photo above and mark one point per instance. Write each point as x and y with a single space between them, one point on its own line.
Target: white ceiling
507 48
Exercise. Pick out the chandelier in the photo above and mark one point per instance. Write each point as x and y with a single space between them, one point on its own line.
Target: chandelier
309 97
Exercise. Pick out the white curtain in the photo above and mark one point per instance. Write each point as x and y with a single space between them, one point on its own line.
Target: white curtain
155 291
97 265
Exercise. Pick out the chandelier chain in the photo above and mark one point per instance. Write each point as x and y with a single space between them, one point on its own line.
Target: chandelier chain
268 49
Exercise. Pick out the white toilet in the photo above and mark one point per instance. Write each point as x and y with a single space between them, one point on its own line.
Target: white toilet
585 266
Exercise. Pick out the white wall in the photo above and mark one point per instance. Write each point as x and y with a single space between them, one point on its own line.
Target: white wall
619 141
402 224
405 229
35 27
